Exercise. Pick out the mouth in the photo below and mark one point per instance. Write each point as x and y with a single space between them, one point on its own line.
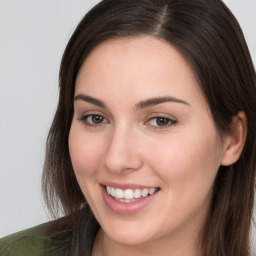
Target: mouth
128 199
130 195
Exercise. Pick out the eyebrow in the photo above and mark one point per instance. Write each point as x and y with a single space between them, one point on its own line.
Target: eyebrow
140 105
158 100
90 99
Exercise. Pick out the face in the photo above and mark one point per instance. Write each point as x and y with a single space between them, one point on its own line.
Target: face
142 131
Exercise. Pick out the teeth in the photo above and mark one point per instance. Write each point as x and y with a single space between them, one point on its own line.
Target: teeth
119 193
144 192
137 193
109 190
129 195
126 200
152 191
112 192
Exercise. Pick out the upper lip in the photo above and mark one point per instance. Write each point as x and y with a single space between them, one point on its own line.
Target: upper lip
126 185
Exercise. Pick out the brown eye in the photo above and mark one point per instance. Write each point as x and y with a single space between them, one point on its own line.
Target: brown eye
160 121
92 120
96 119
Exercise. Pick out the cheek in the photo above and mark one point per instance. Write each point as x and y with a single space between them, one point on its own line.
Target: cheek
85 152
187 164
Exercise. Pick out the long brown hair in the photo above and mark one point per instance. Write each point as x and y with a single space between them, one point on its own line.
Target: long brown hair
209 37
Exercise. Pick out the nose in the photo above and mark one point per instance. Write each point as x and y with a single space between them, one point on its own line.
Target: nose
123 152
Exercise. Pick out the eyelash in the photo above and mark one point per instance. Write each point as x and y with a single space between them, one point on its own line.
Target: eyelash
84 119
170 122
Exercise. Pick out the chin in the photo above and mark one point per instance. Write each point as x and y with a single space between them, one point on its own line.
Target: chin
129 233
129 238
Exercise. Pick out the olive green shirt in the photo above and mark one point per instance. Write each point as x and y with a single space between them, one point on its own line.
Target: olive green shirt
38 241
30 242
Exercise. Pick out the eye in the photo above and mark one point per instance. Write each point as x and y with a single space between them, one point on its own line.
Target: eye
93 120
161 122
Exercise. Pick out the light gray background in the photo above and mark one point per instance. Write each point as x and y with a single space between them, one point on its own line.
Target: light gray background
33 34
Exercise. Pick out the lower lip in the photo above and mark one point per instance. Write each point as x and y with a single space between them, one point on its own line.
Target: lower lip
122 208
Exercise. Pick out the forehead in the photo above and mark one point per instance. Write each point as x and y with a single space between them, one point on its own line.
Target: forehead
141 51
142 66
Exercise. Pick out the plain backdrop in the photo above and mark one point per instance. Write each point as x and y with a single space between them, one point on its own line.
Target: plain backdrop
33 35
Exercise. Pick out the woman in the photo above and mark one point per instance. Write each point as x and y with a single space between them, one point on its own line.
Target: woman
152 148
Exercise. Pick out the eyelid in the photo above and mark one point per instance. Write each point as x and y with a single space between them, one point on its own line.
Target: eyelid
171 121
84 118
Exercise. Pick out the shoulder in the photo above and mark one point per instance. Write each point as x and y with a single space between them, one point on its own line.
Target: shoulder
59 237
30 242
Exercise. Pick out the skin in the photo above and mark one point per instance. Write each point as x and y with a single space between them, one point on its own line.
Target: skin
181 157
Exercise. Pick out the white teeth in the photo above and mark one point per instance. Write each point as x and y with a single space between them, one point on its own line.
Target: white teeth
152 191
126 200
109 190
112 192
129 195
144 192
119 193
137 193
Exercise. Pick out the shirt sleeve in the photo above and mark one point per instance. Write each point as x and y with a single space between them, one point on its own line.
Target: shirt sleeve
25 243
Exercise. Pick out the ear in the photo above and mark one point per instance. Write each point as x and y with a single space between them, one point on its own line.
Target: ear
235 140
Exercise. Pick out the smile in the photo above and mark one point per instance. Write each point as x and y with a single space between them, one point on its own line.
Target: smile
128 199
130 195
